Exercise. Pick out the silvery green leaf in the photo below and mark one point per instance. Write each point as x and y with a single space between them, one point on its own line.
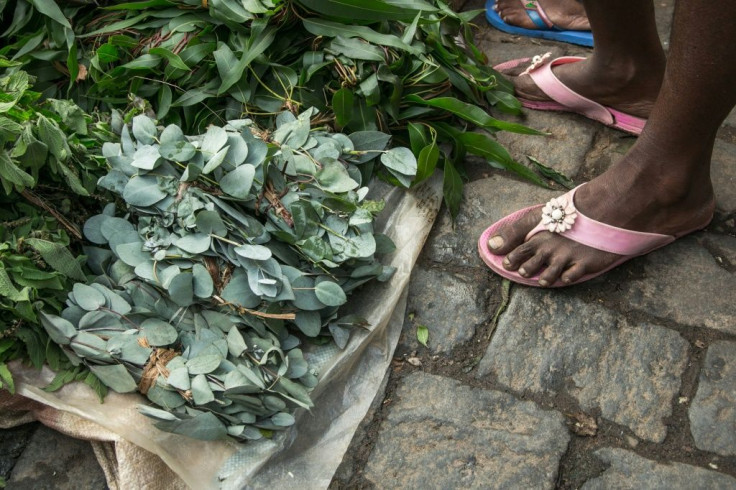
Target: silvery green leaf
203 285
167 275
191 173
126 142
115 377
304 295
179 379
92 229
111 150
177 151
238 182
205 427
309 322
195 243
114 301
217 320
297 393
283 419
400 159
368 143
201 392
215 160
143 191
257 151
252 434
254 252
333 177
253 375
235 430
357 246
144 130
114 181
297 365
203 364
210 222
127 349
238 149
156 413
88 297
236 383
386 274
73 314
60 330
165 398
214 139
340 335
181 289
171 133
100 319
111 226
404 180
132 253
235 342
360 217
384 245
158 333
146 157
90 346
370 270
274 403
238 291
330 293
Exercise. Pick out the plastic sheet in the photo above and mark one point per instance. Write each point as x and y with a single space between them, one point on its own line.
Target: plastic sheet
306 455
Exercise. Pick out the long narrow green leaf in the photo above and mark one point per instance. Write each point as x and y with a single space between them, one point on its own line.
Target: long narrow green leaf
471 113
367 10
452 188
321 27
50 9
257 46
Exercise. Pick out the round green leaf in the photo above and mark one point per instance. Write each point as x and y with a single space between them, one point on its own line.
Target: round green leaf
330 293
158 332
196 243
178 151
88 297
238 182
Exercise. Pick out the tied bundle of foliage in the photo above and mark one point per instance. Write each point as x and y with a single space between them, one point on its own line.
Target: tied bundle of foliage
45 165
235 248
406 67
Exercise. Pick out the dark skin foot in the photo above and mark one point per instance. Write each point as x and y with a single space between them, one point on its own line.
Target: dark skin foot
634 194
627 85
564 14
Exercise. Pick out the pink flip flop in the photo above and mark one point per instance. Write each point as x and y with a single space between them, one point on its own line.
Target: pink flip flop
559 215
564 99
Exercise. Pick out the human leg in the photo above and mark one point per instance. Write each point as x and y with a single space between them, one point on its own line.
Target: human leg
662 185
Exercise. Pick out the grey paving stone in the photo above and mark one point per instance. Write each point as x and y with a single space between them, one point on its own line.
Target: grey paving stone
54 461
723 174
630 471
723 247
684 283
450 304
713 410
484 202
551 342
12 443
441 434
564 150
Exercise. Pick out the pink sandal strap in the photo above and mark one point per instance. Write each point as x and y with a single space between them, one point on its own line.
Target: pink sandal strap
561 93
604 237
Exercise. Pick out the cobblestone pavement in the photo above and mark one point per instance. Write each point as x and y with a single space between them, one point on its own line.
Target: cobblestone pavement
628 381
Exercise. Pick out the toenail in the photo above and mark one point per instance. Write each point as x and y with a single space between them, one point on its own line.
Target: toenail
506 261
495 242
544 283
522 271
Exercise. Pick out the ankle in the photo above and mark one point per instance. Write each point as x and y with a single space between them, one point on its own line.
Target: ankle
640 73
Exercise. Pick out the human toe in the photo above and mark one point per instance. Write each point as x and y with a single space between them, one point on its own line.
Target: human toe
533 265
511 235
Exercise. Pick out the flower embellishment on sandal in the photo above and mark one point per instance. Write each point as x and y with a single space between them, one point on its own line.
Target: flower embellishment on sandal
558 215
537 61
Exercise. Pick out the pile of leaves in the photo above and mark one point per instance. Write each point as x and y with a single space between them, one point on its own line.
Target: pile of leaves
233 249
409 68
45 166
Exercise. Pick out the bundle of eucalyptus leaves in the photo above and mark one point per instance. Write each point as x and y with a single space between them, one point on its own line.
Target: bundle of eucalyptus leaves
409 68
233 249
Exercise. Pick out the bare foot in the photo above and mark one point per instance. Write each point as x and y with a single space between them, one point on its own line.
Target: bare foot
635 194
564 14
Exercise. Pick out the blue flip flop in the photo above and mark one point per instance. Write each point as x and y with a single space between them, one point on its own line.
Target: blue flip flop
546 29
